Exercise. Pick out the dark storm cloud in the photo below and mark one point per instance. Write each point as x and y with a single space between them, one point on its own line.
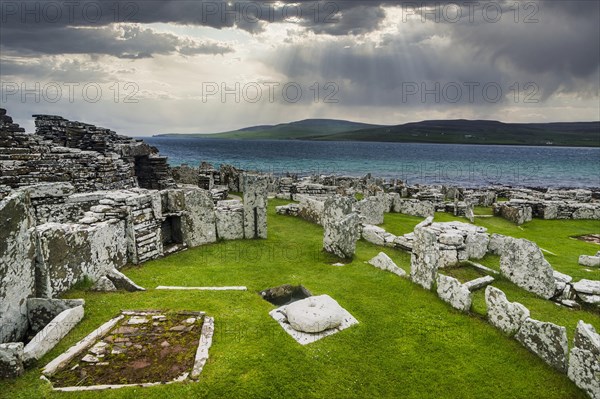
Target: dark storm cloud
557 52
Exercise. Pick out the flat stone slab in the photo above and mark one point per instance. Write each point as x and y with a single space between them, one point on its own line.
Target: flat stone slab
49 336
304 338
589 287
479 283
384 262
547 340
226 288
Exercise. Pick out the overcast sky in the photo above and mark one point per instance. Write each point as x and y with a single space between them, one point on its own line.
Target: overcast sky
148 67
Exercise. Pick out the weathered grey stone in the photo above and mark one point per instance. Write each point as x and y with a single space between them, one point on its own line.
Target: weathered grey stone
590 287
41 311
469 213
584 360
371 209
122 282
198 220
255 189
311 209
68 252
589 299
478 283
230 221
502 314
448 257
340 236
477 245
11 360
547 340
450 290
384 262
451 238
374 234
425 256
47 339
522 263
17 264
336 207
314 314
414 207
589 261
104 284
496 244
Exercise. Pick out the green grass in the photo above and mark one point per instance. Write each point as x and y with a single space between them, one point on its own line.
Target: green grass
409 344
552 235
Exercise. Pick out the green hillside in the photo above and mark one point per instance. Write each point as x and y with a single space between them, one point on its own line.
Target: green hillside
460 131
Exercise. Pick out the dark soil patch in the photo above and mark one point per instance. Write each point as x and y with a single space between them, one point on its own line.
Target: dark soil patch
285 294
158 350
595 238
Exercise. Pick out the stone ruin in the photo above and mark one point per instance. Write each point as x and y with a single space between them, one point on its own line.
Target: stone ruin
78 201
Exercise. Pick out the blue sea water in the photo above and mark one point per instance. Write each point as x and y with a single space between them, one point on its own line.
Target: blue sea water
466 165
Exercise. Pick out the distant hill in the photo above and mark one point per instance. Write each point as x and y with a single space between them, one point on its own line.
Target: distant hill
460 131
286 131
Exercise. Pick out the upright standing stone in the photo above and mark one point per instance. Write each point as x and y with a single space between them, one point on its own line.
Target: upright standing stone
450 290
255 189
584 360
425 257
340 227
523 263
503 314
546 340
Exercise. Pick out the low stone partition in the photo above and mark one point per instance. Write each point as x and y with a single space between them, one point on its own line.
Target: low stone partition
520 211
584 360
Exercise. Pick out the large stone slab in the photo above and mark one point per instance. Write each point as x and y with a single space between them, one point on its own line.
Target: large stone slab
41 311
17 264
584 360
523 263
256 188
547 340
68 252
503 314
384 262
340 236
230 222
198 219
450 290
311 209
51 335
589 287
425 257
377 235
371 209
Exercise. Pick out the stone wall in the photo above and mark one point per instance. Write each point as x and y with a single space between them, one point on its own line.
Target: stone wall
89 157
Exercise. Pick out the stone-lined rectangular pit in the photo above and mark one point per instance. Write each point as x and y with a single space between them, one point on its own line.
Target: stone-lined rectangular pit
137 348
